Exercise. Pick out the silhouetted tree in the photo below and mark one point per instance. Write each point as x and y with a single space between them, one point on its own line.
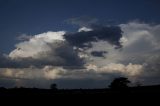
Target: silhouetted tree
53 86
119 83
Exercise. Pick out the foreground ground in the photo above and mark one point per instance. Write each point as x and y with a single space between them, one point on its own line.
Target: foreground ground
131 91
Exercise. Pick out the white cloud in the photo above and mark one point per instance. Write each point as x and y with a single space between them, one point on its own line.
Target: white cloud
7 73
51 72
140 46
140 41
49 48
128 70
21 73
84 29
112 56
139 32
37 44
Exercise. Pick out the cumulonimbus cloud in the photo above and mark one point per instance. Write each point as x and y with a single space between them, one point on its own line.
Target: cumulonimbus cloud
90 53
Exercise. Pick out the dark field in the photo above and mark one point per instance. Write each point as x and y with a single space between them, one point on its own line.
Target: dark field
131 91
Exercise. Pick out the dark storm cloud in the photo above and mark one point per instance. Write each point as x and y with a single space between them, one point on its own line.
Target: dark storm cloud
70 56
98 53
111 34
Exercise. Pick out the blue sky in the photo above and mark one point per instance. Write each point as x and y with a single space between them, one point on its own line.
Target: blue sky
36 16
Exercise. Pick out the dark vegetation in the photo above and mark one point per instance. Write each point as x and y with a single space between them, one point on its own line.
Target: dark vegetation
118 88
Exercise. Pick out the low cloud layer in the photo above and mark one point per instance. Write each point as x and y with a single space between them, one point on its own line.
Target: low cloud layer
92 54
52 73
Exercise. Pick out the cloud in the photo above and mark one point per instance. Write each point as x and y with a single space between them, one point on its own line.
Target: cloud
141 46
127 70
53 72
140 40
93 54
84 29
50 74
58 48
111 34
98 53
134 32
39 43
111 54
138 58
22 73
48 48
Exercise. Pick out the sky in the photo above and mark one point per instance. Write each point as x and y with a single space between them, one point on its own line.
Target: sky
78 43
